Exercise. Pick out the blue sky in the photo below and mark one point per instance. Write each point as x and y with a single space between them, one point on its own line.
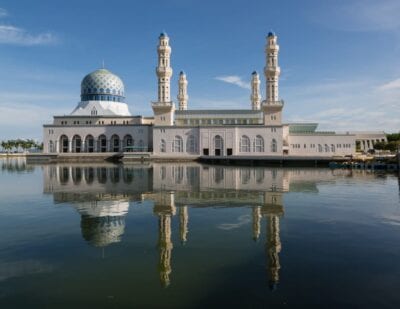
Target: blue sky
340 60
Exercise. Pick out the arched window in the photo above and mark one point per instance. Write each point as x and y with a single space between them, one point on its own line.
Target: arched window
326 148
319 148
332 148
163 146
114 147
177 144
245 144
259 144
191 145
89 143
274 145
102 143
128 143
76 143
64 144
218 145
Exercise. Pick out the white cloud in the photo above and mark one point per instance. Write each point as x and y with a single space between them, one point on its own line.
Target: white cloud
345 106
394 84
235 80
3 13
360 15
19 119
242 220
19 36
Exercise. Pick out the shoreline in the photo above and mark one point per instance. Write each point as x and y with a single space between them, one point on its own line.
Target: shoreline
126 158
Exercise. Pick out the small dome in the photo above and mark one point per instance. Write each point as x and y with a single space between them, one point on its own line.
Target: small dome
254 73
271 34
102 85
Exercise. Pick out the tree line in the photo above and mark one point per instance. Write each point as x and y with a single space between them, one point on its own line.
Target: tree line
20 144
392 144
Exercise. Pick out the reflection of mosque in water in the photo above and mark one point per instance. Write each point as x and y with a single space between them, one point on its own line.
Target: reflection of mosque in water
101 194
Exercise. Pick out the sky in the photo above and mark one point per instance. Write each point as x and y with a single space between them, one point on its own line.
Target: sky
340 60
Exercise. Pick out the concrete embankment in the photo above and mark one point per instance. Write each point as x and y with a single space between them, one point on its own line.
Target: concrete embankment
149 157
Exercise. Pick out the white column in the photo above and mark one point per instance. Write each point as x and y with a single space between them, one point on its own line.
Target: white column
182 92
255 91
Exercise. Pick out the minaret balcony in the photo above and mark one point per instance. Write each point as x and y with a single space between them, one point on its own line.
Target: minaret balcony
274 104
164 71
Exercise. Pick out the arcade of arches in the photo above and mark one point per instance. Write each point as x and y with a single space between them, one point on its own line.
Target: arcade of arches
89 143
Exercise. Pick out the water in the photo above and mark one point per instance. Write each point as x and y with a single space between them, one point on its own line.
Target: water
189 235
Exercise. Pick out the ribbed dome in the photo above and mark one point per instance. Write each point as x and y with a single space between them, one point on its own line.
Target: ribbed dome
102 85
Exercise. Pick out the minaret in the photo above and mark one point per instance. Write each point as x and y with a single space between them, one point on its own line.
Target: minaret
182 92
164 71
272 70
183 223
164 108
256 222
255 91
272 106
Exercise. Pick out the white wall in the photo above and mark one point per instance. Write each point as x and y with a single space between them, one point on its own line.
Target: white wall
308 145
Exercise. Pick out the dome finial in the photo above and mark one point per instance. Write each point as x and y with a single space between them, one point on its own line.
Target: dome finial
102 65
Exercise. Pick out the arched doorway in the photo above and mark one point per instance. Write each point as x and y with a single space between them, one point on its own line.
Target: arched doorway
64 143
89 143
218 145
76 143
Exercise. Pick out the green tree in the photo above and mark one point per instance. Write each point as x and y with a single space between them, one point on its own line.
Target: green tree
394 137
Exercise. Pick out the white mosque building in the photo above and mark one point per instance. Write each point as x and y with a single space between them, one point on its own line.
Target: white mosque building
102 122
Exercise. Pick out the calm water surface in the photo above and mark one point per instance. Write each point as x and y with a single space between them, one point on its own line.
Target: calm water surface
189 235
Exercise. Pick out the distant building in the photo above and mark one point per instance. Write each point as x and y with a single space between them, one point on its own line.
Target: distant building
102 122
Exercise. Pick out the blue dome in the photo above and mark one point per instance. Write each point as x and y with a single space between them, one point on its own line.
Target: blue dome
254 73
102 85
271 34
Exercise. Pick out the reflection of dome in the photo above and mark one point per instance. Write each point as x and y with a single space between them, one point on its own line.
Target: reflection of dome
102 231
102 85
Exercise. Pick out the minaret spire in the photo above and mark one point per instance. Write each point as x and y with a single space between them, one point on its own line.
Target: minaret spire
272 69
255 91
272 106
164 70
182 92
164 108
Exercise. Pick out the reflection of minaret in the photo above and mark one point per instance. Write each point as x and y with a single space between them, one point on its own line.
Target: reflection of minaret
273 248
256 222
165 246
183 223
165 209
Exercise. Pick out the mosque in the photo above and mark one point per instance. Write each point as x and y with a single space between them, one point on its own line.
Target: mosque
102 122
